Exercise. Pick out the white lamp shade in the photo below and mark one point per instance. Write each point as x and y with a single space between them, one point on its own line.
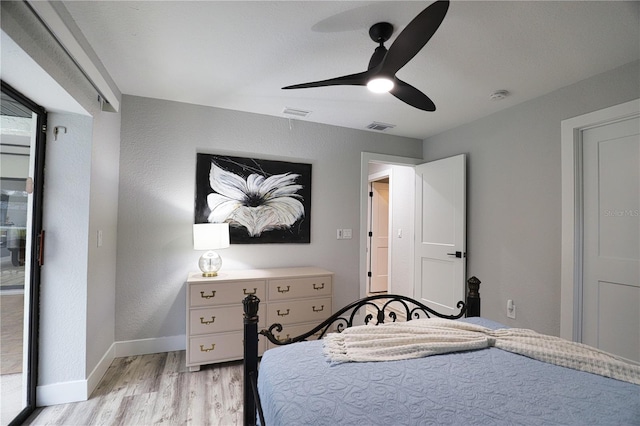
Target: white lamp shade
210 236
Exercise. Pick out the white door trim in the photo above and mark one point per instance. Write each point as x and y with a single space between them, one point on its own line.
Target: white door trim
571 255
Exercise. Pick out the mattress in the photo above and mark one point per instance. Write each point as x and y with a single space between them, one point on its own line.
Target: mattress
298 386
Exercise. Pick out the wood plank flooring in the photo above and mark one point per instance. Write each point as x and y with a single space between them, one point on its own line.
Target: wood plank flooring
155 389
11 332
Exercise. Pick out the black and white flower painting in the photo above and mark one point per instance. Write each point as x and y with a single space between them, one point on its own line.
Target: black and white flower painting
264 201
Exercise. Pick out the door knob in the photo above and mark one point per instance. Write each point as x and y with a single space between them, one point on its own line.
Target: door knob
457 254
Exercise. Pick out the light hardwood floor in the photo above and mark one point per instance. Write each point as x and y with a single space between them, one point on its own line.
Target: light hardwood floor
155 389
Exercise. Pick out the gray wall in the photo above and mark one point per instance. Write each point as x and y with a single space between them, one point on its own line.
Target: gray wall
160 140
513 237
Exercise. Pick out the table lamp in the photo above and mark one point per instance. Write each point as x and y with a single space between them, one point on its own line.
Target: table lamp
210 236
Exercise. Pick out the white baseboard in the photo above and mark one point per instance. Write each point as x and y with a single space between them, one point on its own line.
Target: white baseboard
80 390
99 370
61 393
150 346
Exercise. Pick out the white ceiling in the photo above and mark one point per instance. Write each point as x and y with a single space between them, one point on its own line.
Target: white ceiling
238 54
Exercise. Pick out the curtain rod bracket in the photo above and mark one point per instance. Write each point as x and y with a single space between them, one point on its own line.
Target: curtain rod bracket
56 130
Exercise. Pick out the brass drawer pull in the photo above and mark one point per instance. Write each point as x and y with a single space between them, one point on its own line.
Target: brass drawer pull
202 321
246 293
202 349
318 310
318 287
283 290
284 314
213 294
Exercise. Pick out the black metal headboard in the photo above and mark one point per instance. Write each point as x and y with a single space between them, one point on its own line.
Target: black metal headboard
392 306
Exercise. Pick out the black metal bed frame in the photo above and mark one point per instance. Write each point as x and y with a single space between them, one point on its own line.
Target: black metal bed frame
410 308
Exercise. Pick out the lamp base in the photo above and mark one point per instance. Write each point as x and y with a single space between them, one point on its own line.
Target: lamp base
210 263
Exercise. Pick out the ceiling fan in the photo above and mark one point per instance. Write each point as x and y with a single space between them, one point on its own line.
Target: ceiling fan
381 73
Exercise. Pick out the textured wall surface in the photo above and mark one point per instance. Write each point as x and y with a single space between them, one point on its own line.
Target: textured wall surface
63 310
160 140
514 195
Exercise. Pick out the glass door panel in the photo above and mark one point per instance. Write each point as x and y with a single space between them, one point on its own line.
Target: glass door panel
20 222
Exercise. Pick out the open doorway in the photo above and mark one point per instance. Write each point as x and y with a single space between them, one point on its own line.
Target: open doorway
378 241
412 204
401 178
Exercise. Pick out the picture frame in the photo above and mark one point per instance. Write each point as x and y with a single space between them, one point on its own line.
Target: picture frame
264 201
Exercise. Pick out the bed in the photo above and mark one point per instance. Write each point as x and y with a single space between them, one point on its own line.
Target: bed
297 385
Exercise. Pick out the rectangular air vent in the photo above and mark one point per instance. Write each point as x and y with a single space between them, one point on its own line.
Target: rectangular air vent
296 112
381 127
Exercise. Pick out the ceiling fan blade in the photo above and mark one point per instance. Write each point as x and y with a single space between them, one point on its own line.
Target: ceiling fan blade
414 37
412 96
359 79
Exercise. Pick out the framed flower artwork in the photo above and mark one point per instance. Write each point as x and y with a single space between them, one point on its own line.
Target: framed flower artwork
264 201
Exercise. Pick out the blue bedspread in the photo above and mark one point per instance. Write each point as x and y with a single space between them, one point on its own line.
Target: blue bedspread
298 386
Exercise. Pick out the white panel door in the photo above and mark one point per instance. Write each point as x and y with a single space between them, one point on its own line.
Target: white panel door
611 268
380 237
440 233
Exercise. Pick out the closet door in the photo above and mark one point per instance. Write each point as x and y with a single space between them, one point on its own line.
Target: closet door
611 262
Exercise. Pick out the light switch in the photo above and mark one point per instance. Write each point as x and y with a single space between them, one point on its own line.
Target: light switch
100 238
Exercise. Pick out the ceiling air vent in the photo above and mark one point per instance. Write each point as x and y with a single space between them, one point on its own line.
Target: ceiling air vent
296 112
381 127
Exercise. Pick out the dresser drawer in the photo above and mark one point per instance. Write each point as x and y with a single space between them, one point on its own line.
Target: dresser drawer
291 312
218 347
299 288
220 319
224 293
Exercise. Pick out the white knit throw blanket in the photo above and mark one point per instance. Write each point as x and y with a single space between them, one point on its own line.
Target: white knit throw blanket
432 336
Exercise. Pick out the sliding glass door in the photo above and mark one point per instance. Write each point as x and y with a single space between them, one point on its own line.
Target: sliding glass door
22 137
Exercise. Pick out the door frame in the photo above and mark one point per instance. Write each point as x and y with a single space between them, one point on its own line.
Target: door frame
365 159
571 280
32 288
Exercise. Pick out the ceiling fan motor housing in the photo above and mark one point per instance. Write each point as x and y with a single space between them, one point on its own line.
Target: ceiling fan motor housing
381 32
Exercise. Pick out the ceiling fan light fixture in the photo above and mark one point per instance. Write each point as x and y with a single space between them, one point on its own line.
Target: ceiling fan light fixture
380 75
380 85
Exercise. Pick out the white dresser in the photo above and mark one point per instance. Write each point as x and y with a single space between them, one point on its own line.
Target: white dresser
297 298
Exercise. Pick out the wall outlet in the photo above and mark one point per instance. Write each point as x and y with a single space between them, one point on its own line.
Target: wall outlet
511 309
